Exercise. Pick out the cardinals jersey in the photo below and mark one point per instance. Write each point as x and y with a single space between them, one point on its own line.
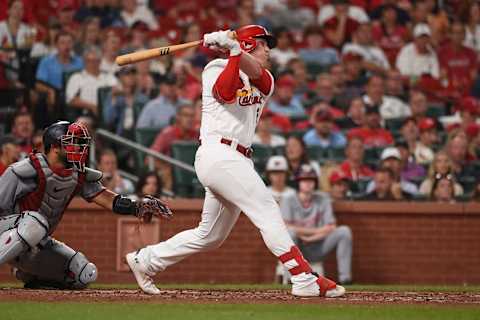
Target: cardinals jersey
237 120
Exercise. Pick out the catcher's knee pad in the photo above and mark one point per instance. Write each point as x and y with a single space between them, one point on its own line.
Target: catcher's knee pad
82 270
32 227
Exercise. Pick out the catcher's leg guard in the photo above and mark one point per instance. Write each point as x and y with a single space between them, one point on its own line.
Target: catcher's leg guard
31 227
82 271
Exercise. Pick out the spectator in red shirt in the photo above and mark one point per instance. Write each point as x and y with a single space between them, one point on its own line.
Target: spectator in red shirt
458 63
340 183
9 152
372 133
22 130
353 166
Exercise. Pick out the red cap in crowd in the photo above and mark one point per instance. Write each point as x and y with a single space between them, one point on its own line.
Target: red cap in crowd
338 176
426 124
472 130
323 115
469 104
286 81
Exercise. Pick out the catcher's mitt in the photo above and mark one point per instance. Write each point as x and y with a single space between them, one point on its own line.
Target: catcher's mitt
150 206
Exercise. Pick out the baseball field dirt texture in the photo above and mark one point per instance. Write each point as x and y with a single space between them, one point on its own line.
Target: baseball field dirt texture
239 302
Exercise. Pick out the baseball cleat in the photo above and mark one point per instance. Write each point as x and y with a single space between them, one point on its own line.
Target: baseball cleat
145 282
320 286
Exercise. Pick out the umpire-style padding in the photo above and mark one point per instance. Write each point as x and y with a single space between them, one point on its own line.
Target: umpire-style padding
84 271
31 228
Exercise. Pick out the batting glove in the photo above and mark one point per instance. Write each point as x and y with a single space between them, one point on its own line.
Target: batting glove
220 40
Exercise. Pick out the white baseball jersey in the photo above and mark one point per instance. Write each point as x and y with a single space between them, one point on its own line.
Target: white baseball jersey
236 121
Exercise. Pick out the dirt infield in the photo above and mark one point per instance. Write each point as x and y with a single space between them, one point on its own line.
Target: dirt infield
236 296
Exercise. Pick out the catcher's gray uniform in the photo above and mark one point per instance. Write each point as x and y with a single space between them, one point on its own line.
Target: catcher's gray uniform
33 199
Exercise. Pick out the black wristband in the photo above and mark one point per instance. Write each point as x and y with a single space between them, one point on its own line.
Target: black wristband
124 206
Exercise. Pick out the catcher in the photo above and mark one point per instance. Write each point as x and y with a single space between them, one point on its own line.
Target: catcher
34 194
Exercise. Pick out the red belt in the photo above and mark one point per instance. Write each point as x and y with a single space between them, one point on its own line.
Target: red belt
247 152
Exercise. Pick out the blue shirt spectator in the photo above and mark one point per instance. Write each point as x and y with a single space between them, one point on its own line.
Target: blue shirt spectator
315 53
284 102
322 134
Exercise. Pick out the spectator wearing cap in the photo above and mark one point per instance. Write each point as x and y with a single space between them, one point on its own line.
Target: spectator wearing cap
458 63
418 58
277 173
392 160
159 112
311 222
374 59
411 170
427 138
284 102
353 166
322 134
132 12
264 134
283 52
389 107
372 134
385 188
440 166
22 130
9 152
315 53
339 20
82 87
340 185
123 105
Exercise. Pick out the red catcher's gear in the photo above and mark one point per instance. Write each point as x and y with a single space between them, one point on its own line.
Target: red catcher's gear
246 35
76 143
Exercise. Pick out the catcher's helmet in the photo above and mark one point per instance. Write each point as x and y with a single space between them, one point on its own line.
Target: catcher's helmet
73 138
246 35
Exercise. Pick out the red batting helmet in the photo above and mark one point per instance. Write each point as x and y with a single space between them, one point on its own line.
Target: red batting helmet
246 35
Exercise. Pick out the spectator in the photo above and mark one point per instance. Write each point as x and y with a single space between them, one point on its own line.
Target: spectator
355 116
390 32
65 13
476 193
105 10
283 101
418 57
443 189
149 184
411 171
315 53
409 134
440 166
296 155
322 133
51 69
82 87
340 186
458 63
90 35
309 217
132 12
9 152
22 130
159 112
385 9
385 188
324 89
374 59
276 172
467 110
292 16
394 85
472 18
46 45
428 137
146 83
340 20
110 50
122 107
283 52
346 87
107 163
390 107
264 134
372 134
392 160
354 166
355 77
457 149
418 105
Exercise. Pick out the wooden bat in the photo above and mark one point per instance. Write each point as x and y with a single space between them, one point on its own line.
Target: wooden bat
158 52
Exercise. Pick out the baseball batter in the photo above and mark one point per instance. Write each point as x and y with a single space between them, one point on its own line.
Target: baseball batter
35 193
235 91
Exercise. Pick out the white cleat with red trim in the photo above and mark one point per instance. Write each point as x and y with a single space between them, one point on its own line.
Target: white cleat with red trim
309 285
145 281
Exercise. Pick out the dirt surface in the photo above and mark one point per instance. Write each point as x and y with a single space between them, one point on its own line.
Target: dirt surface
237 296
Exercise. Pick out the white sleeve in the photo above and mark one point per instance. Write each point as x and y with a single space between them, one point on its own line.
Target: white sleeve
402 62
209 77
435 66
73 87
325 13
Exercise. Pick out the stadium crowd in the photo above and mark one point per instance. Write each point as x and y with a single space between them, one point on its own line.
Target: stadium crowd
380 98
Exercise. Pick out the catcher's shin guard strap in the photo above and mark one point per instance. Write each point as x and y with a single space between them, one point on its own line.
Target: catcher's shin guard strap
295 262
123 205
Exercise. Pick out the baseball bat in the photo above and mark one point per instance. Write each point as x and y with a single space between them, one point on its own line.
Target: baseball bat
158 52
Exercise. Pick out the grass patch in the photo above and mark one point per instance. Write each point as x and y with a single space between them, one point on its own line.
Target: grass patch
82 311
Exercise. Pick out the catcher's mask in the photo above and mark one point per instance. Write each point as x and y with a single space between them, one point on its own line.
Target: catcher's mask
76 143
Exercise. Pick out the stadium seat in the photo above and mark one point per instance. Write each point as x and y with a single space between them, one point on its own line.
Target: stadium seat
185 183
394 125
372 155
336 154
436 111
260 156
103 94
468 183
319 154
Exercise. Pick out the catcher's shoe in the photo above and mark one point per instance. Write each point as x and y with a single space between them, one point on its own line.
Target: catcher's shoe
145 282
309 285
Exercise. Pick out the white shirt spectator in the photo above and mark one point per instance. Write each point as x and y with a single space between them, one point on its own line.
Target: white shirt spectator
85 85
472 39
24 34
108 67
142 14
275 140
391 107
411 63
354 12
423 154
371 54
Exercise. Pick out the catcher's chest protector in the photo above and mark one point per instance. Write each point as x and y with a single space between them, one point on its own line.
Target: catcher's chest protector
53 193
